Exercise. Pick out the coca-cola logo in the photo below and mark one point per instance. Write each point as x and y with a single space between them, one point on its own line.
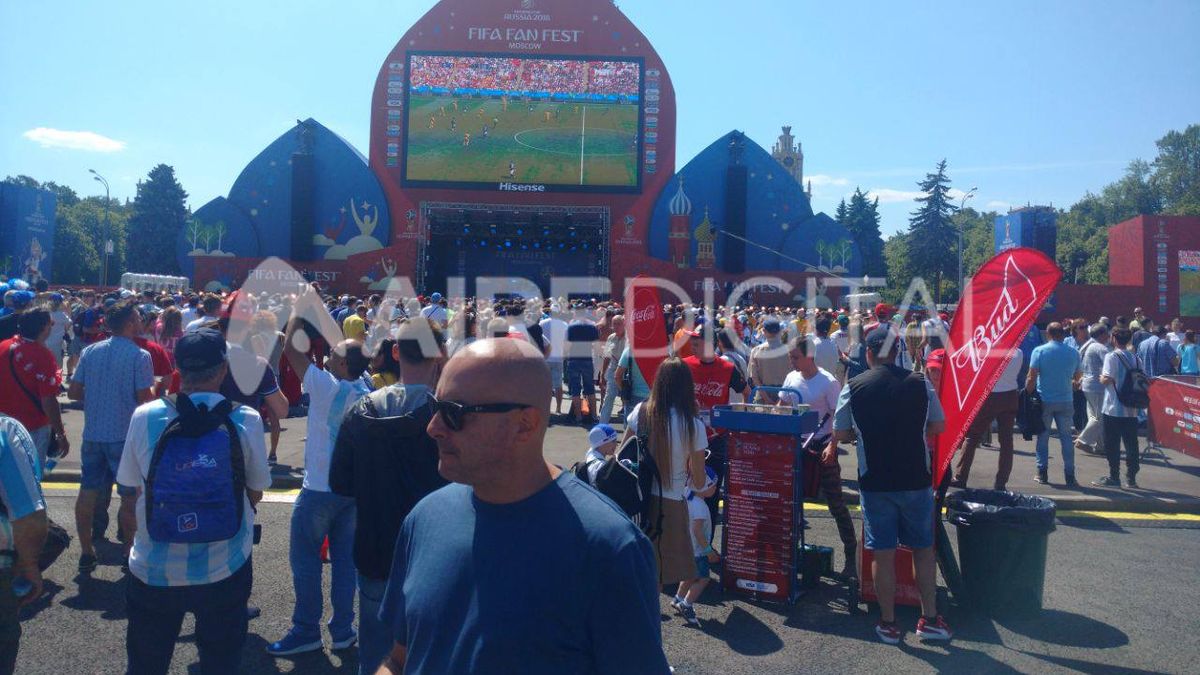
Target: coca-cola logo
1018 296
644 315
710 389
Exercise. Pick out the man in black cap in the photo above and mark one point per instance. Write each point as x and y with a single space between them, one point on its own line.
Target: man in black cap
889 412
170 578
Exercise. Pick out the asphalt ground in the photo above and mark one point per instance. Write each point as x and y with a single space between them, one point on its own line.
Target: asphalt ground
1169 480
1120 597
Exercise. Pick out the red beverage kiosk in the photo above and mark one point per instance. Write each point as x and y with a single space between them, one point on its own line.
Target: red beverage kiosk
763 535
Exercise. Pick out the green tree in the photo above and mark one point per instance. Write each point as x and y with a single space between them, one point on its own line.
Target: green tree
895 252
840 214
862 220
65 195
1177 171
159 213
933 238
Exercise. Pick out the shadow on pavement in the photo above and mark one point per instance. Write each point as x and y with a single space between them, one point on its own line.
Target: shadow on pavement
1068 629
744 634
1089 666
50 589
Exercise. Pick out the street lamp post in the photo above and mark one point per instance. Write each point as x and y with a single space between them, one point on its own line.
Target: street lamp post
107 227
961 205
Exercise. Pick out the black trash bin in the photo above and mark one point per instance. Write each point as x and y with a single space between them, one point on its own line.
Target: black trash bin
1002 539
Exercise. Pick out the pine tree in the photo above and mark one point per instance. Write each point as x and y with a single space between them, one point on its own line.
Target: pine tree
840 214
159 213
862 220
932 236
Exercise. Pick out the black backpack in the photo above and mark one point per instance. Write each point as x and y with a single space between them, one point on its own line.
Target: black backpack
1134 391
629 478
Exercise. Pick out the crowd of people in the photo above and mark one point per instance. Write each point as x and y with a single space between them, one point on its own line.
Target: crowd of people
520 76
425 483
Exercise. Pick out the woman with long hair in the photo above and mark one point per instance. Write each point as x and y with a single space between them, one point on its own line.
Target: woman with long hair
168 329
670 420
385 369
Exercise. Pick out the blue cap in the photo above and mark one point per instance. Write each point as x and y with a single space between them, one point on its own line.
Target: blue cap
436 297
200 349
22 299
601 434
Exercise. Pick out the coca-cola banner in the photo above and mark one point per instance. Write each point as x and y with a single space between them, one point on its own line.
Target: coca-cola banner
645 328
999 306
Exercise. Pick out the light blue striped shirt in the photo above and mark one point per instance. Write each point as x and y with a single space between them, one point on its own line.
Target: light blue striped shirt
20 491
163 564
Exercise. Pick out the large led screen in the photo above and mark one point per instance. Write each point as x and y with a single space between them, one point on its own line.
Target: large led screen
528 124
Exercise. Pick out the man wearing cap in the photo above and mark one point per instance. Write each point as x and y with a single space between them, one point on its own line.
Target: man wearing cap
769 363
436 312
891 412
14 303
113 378
211 581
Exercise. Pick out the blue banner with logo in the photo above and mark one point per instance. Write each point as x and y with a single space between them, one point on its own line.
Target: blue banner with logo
26 232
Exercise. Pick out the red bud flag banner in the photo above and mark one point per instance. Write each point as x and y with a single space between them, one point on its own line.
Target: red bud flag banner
1000 304
645 330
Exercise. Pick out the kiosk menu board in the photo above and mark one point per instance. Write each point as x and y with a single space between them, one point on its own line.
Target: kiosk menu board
763 505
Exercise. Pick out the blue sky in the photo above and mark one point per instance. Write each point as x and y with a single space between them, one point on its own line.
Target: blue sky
1031 101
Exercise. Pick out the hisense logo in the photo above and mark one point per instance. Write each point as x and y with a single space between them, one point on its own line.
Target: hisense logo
520 187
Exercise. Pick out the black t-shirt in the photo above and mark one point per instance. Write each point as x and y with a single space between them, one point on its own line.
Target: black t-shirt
891 407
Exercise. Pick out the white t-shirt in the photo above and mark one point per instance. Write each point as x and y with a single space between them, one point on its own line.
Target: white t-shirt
825 352
59 324
195 324
698 510
1116 364
594 459
674 484
820 393
164 564
555 332
329 401
436 314
1008 379
931 328
188 315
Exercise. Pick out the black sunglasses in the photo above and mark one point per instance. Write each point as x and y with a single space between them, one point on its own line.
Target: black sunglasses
452 412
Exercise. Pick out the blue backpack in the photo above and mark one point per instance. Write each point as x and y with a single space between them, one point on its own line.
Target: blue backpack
197 477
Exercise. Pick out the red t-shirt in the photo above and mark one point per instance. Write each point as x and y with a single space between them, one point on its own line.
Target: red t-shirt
714 382
160 362
38 370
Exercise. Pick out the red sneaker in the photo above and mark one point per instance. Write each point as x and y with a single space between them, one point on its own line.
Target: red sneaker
934 629
888 632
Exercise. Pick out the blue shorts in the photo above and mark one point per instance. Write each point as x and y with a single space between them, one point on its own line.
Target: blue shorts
891 517
702 567
98 463
581 380
556 373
